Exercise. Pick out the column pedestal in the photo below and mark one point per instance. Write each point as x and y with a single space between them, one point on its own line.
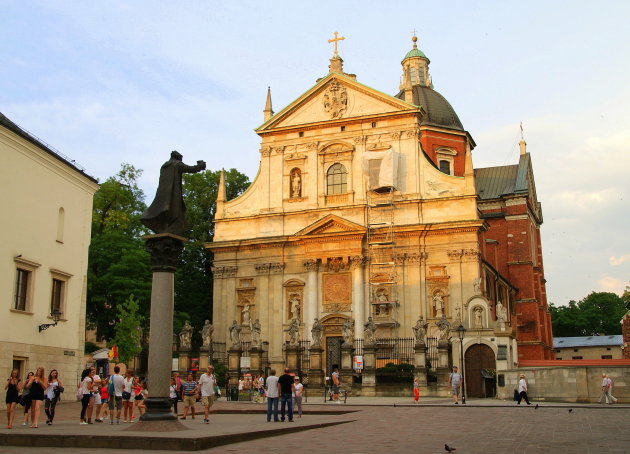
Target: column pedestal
420 360
293 352
255 355
442 370
203 358
183 363
165 249
234 365
315 370
347 373
369 371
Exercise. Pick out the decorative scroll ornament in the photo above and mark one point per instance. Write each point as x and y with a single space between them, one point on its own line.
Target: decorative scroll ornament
335 100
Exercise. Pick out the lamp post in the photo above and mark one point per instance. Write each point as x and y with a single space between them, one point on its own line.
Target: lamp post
56 315
461 332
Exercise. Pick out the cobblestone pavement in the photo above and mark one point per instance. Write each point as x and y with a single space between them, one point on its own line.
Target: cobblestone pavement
425 429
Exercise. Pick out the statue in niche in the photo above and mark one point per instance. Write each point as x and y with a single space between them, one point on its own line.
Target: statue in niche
185 336
501 315
478 314
235 335
294 332
256 333
444 328
167 213
438 305
206 333
296 184
420 330
347 331
295 303
369 332
246 316
316 333
458 316
477 286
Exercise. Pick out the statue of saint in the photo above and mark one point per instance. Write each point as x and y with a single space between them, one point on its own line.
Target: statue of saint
167 213
316 333
369 332
420 330
347 332
296 185
206 333
294 332
444 328
246 316
477 286
256 333
438 304
235 335
185 336
478 317
295 306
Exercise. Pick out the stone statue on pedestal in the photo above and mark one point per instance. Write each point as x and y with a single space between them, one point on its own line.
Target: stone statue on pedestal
316 333
478 321
246 316
295 306
347 331
206 333
369 332
185 336
420 330
444 328
294 332
256 333
235 335
501 315
438 304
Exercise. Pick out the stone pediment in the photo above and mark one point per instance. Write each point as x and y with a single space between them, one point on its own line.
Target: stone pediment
330 224
335 97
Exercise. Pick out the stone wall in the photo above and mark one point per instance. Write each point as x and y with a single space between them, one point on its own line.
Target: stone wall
568 383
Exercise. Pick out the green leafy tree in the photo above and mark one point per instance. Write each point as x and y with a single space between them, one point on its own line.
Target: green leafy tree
597 313
128 330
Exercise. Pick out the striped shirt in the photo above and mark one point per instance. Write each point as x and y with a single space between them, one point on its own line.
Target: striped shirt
189 387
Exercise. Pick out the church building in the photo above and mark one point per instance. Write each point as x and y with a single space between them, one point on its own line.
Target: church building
367 213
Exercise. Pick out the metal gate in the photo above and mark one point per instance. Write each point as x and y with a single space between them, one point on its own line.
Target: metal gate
333 353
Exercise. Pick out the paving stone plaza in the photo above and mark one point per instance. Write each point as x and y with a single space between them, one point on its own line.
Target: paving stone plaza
363 425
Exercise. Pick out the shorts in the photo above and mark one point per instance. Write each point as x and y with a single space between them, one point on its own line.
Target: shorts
104 401
335 389
456 390
207 401
189 401
97 398
115 401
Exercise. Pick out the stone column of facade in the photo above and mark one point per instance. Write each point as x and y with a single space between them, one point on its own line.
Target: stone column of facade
256 366
234 365
368 387
165 249
315 370
203 357
420 359
347 373
183 363
358 295
293 353
442 370
310 310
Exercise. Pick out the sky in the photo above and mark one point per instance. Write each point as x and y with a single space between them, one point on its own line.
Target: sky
112 82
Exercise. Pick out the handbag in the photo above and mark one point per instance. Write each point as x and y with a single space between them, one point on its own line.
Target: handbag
79 393
516 395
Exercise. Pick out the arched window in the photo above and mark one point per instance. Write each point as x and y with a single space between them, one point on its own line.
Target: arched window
336 179
60 224
445 167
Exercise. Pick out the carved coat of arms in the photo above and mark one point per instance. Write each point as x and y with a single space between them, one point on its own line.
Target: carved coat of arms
335 100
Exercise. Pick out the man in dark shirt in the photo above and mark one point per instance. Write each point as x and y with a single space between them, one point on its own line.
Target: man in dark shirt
285 383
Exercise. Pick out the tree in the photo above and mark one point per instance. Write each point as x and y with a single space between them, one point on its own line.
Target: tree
128 331
597 313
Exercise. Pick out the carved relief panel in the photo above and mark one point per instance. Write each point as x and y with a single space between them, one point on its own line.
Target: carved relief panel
337 292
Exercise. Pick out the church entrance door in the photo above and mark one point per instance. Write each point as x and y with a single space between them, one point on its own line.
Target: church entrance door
333 353
479 357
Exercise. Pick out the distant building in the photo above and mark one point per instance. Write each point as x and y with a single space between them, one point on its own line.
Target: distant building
46 206
588 347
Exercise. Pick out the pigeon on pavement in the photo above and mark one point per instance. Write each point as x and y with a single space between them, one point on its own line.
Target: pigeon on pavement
447 448
536 407
570 410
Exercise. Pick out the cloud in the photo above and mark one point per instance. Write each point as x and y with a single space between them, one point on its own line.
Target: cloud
612 284
616 261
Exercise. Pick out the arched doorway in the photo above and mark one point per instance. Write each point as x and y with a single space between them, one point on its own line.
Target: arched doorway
332 340
478 357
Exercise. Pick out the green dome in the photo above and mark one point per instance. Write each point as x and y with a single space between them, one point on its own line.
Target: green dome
415 53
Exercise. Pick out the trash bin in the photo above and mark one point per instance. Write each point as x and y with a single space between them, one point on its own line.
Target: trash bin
234 394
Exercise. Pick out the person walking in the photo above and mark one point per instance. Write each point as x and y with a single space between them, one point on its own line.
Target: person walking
285 382
207 387
336 384
455 382
53 391
606 396
86 392
128 396
189 389
25 399
105 414
273 393
38 384
522 390
12 387
297 395
116 386
173 395
416 390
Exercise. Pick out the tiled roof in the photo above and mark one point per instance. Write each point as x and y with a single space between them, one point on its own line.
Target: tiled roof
494 182
438 110
587 341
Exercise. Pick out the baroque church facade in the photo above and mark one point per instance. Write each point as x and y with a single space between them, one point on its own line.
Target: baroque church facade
367 213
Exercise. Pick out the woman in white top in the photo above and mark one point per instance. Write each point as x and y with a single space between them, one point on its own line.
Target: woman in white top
172 394
297 394
522 390
86 391
52 395
128 396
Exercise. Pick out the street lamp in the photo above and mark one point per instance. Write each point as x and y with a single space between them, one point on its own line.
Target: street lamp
55 314
461 332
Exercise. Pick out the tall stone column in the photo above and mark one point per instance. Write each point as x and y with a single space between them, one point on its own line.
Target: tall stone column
420 359
310 297
234 364
165 249
358 295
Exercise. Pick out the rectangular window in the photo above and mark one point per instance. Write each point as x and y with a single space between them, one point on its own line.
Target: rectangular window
502 352
559 359
606 356
21 289
576 357
575 350
56 300
608 348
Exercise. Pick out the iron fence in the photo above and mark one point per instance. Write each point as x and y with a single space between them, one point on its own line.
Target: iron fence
432 353
396 350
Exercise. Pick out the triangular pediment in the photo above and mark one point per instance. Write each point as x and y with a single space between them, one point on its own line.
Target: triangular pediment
331 224
335 98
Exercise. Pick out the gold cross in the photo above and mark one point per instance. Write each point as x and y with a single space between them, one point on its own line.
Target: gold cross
334 40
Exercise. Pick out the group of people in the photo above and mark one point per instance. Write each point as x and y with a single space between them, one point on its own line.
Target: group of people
37 388
285 389
191 390
100 396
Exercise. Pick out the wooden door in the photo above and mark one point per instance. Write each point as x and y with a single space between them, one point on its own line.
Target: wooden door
477 357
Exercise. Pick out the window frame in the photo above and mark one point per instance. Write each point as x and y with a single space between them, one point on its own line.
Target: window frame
343 175
29 267
64 279
447 155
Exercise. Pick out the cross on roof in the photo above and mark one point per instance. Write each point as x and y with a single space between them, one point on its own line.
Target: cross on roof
334 40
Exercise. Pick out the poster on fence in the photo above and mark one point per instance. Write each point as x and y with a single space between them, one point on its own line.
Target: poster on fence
357 362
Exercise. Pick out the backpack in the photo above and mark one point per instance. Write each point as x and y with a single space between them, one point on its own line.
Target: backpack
110 387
